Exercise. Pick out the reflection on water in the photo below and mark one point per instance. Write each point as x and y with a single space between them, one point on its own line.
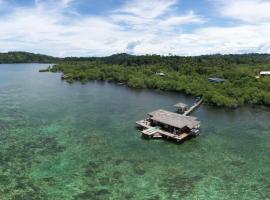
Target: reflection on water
61 141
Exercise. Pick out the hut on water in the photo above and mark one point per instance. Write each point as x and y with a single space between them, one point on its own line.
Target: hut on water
162 123
181 107
173 122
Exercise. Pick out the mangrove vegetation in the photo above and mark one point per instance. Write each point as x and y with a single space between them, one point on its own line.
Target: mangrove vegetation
187 75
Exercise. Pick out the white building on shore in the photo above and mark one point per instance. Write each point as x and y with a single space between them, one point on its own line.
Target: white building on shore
265 73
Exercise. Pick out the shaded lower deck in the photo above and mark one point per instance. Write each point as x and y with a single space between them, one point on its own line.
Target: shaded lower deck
155 132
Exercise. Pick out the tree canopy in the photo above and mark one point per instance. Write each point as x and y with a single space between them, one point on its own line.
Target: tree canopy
188 75
25 57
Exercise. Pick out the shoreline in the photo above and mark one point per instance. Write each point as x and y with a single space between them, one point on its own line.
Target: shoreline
164 91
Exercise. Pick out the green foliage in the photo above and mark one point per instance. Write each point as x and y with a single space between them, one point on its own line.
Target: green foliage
24 57
182 74
136 82
266 99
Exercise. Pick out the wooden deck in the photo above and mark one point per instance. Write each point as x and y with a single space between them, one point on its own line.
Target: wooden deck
144 124
153 132
178 138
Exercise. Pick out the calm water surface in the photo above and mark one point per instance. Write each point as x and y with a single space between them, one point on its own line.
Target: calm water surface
61 141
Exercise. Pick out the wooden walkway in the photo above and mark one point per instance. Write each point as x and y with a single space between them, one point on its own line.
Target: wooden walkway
194 107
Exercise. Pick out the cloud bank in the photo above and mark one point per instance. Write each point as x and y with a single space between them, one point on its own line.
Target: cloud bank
138 27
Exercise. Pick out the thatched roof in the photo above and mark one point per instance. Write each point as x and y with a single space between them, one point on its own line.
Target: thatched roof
173 119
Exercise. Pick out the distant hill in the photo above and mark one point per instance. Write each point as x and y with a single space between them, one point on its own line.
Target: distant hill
126 59
25 57
113 58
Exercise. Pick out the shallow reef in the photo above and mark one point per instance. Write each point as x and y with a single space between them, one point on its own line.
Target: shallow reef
76 142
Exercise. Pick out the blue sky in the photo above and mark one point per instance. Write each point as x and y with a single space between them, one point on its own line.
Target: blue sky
104 27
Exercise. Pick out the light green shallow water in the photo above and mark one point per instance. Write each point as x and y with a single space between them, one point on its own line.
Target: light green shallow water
61 141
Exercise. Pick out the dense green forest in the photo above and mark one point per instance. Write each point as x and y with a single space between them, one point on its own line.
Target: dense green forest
25 57
187 75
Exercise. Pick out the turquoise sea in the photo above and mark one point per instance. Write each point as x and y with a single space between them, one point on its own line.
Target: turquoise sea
78 141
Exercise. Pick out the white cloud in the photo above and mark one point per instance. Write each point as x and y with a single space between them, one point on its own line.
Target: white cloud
179 20
153 16
238 39
126 29
66 2
254 11
147 9
47 30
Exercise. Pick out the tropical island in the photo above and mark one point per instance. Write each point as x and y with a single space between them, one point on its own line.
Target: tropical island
235 81
223 80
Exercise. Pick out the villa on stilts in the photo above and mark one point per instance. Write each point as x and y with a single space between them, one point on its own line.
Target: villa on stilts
170 125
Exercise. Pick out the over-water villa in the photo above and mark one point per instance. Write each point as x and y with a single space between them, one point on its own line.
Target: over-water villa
165 124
